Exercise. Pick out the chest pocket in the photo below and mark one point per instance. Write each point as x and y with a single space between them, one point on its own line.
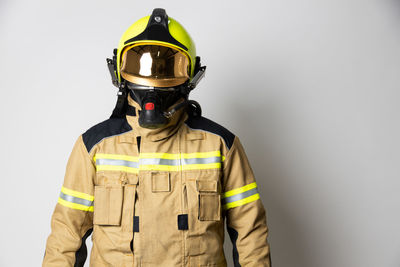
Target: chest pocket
109 195
209 200
107 204
160 182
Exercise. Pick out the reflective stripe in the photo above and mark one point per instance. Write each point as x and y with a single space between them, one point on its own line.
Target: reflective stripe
240 196
159 156
159 161
76 194
202 154
117 162
74 205
201 160
201 166
182 155
180 167
239 190
177 162
115 156
241 202
116 168
159 168
75 200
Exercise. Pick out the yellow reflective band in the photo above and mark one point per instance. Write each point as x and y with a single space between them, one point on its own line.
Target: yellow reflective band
201 166
158 168
115 156
181 158
239 190
241 202
116 168
74 205
158 156
76 194
181 155
179 168
201 154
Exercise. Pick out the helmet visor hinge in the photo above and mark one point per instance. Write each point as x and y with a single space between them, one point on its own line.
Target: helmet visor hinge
112 68
197 77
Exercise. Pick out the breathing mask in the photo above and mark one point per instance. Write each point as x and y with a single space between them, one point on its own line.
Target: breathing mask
156 103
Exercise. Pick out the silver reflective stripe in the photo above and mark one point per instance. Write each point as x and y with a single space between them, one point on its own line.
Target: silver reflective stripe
201 160
156 161
76 200
117 162
175 162
240 196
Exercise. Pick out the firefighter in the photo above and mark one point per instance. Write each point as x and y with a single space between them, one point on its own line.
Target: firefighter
155 182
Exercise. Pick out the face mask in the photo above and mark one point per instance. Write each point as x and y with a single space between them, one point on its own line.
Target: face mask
154 103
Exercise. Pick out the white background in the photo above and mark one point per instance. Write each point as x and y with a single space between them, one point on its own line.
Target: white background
311 87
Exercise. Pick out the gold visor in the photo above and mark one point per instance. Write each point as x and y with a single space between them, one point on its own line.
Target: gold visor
154 65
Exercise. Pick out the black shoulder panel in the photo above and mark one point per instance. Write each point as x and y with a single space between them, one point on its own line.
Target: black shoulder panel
205 124
103 130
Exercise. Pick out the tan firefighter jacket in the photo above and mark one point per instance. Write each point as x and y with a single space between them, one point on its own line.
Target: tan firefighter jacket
158 197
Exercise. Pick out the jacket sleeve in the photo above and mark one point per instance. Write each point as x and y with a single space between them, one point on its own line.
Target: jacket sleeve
71 222
244 211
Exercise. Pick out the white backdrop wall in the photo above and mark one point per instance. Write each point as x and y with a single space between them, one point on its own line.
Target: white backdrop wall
311 88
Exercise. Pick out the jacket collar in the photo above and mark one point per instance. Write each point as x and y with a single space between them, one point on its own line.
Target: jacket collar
154 135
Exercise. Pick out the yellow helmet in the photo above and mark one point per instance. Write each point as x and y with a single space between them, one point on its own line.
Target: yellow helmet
154 34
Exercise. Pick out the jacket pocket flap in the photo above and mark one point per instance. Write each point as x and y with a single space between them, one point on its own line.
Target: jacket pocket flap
207 185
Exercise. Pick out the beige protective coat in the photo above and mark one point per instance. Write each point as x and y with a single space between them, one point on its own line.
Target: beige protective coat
162 205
